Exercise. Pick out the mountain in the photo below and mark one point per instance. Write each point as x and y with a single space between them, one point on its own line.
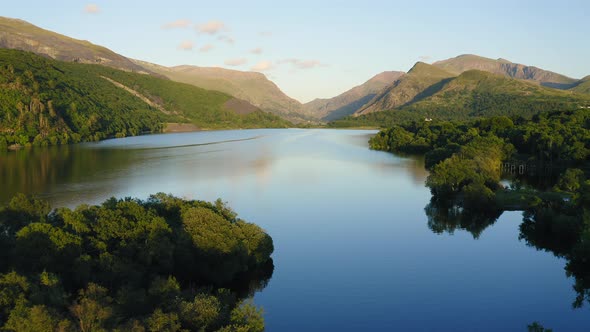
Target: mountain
506 68
250 86
352 100
20 35
416 84
583 85
47 102
475 93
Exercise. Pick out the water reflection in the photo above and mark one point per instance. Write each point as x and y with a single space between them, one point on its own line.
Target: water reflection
249 283
179 163
561 232
447 217
352 251
36 171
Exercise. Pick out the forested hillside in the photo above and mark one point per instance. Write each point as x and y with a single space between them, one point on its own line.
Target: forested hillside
475 94
47 102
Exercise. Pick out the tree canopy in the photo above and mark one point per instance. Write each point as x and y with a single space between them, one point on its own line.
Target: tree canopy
163 264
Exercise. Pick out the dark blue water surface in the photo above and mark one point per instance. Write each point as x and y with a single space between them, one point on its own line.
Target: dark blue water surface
353 247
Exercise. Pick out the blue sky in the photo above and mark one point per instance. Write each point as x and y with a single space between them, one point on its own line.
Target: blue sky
318 49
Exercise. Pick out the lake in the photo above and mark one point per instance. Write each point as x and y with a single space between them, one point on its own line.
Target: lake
354 248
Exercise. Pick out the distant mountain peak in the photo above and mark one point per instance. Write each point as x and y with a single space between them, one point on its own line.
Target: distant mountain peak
21 35
408 88
425 69
462 63
386 77
418 66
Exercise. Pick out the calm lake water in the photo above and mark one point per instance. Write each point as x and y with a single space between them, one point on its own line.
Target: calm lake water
353 247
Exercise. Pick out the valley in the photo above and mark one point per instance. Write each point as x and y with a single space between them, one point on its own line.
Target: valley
445 194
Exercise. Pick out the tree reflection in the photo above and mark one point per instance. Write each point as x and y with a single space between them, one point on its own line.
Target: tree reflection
563 228
35 170
448 217
246 284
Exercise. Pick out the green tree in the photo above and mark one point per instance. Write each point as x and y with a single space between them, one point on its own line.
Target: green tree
93 309
163 322
201 314
32 319
248 316
571 180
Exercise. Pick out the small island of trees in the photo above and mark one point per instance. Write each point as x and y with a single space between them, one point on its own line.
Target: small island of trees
163 264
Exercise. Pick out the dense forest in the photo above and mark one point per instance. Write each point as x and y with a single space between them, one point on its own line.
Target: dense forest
47 102
163 264
466 157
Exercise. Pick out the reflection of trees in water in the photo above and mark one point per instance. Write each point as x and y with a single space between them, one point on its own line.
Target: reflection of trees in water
448 217
561 228
249 283
563 231
548 230
36 170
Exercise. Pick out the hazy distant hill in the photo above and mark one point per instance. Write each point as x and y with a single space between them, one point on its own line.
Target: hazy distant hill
416 84
21 35
352 100
504 67
250 86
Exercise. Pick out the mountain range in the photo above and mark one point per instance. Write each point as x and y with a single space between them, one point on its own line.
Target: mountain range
451 81
506 68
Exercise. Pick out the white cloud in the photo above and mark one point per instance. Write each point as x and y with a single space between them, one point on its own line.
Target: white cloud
92 8
303 64
257 50
425 58
182 23
186 45
235 62
206 48
263 66
265 33
211 27
227 39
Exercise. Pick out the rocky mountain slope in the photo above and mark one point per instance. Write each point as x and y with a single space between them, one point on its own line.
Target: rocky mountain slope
352 100
506 68
253 87
20 35
416 84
